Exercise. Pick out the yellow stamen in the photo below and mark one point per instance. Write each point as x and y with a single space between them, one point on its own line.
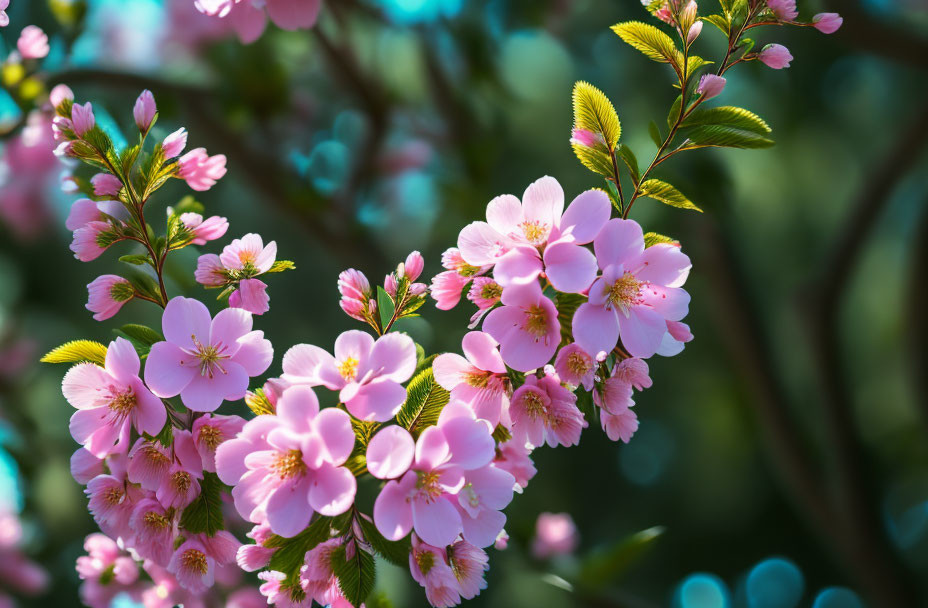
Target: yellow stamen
289 464
348 369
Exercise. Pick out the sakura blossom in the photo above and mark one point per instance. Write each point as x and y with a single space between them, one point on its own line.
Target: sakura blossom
828 23
206 360
526 327
479 380
775 56
555 534
107 294
32 43
204 230
199 170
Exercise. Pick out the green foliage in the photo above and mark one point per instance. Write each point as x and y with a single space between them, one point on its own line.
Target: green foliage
156 172
729 116
142 337
567 304
720 136
281 266
667 194
204 515
608 565
290 551
653 238
720 21
135 259
395 552
655 133
628 157
128 157
77 351
385 307
425 399
594 112
675 108
648 39
595 160
356 574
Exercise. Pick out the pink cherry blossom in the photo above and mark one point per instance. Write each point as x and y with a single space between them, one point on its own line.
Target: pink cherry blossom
413 266
181 485
678 334
544 411
287 466
82 118
174 143
210 271
620 426
4 18
204 230
107 294
92 239
105 570
212 430
526 326
638 292
429 567
575 366
480 380
515 457
555 534
111 501
199 170
106 184
828 23
84 211
446 289
110 400
205 360
255 557
278 595
485 292
710 86
486 492
316 576
355 292
251 295
32 43
469 563
785 10
633 371
249 254
193 566
153 530
425 498
775 56
367 373
390 452
144 111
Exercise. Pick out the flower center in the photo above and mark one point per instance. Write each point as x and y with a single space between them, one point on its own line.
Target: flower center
194 560
470 496
579 364
624 293
181 481
491 291
211 436
478 378
536 321
122 403
154 455
348 369
156 520
210 357
289 464
114 496
425 560
536 232
533 404
427 484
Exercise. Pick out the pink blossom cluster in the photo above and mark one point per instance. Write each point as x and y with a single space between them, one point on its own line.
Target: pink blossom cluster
236 269
18 573
249 17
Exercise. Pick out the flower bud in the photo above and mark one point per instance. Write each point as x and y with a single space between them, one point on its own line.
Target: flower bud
59 94
694 32
827 23
144 111
32 43
775 56
174 143
710 86
82 118
785 10
413 265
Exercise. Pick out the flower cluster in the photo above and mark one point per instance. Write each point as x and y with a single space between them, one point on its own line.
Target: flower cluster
249 17
570 303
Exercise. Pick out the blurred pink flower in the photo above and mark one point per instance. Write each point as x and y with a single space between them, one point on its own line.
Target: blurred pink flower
249 17
59 93
555 534
32 43
4 18
199 170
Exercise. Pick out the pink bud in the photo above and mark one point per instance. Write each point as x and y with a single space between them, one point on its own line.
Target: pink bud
710 86
775 56
389 285
200 170
174 143
694 32
60 93
144 110
413 265
827 23
107 294
32 43
785 10
82 118
587 138
106 184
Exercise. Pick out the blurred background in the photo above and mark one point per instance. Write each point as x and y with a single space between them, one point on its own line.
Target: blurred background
782 457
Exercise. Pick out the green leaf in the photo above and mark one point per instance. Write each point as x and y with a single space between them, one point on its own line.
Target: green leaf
142 334
653 238
674 113
281 266
258 403
290 551
720 136
648 39
395 552
593 159
628 157
567 304
655 134
613 193
694 63
385 306
719 21
77 351
128 157
608 565
425 399
356 576
135 259
739 14
726 5
594 112
188 204
729 116
166 436
204 515
667 194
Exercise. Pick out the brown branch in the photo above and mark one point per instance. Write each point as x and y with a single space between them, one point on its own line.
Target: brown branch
822 312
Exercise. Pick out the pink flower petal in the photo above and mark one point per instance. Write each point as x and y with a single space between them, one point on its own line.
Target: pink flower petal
248 21
671 303
571 268
504 214
518 267
378 401
183 318
334 427
449 370
255 353
480 349
82 385
308 364
354 344
470 442
663 264
392 513
297 407
586 216
165 372
393 357
595 329
205 394
483 529
436 522
227 327
481 244
332 491
122 361
620 241
150 414
642 331
390 452
287 510
543 202
432 449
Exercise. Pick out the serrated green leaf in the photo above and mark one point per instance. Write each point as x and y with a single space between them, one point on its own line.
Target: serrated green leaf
594 112
128 157
395 552
655 134
730 116
425 399
595 160
719 21
720 136
628 157
648 39
204 514
667 194
290 551
77 351
653 238
356 575
281 266
385 307
567 304
606 566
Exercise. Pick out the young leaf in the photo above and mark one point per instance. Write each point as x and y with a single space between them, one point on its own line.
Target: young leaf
674 113
628 157
282 265
135 259
720 136
142 334
609 564
653 238
667 194
204 515
655 134
356 576
385 306
425 399
77 351
719 21
595 160
395 552
648 39
730 116
594 112
567 304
